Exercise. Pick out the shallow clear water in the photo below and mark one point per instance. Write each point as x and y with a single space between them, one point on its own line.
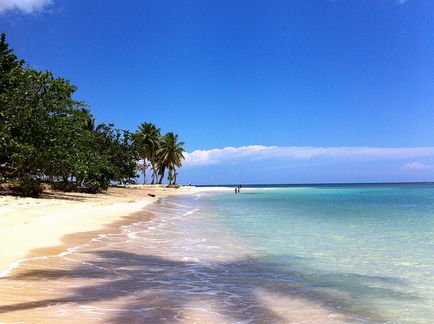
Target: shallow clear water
371 250
299 255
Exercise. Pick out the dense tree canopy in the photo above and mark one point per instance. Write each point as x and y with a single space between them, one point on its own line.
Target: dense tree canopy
47 136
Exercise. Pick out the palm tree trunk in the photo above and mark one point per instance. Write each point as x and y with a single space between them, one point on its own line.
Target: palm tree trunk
153 176
162 175
152 167
170 175
154 173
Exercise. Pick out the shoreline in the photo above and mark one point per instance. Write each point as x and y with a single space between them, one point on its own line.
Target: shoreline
37 227
158 275
181 258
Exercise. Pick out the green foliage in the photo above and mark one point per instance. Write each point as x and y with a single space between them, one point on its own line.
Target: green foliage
162 152
46 135
10 69
117 147
147 139
29 187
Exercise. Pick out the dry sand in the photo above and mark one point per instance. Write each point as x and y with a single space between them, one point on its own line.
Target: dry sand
30 226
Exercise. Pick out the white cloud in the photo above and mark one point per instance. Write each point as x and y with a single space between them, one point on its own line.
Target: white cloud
260 152
26 6
415 166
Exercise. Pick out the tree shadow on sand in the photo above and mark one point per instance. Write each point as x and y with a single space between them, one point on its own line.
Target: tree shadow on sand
159 289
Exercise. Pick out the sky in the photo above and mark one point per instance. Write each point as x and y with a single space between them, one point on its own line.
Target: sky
269 91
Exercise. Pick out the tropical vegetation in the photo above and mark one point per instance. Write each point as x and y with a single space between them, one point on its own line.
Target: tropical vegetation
46 135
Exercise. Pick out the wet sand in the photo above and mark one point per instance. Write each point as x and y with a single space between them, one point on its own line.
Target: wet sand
39 226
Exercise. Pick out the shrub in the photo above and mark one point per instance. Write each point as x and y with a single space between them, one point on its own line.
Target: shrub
28 187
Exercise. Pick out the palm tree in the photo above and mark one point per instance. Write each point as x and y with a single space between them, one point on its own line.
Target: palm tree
170 155
87 119
148 139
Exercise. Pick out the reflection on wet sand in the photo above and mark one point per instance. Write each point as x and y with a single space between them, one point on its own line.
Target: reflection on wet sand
162 271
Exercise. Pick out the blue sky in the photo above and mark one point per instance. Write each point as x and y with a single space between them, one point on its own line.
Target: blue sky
343 77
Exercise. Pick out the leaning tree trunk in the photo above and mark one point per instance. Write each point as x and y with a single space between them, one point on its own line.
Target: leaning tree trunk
155 180
154 173
162 175
170 176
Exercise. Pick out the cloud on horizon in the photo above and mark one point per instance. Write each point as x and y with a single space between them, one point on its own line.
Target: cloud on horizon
415 166
291 153
24 6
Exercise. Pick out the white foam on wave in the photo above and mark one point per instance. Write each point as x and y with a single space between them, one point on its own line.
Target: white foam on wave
68 251
132 235
99 237
190 212
196 240
197 196
17 263
176 204
62 254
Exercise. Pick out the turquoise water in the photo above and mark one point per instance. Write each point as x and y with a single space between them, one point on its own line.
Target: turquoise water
365 251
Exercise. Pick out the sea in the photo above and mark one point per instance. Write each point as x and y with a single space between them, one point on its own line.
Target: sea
329 253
